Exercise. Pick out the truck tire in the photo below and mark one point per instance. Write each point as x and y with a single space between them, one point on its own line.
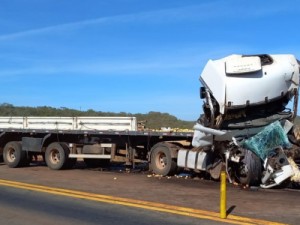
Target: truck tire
162 162
13 155
56 156
250 170
70 162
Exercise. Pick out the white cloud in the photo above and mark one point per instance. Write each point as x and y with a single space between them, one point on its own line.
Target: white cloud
86 68
198 12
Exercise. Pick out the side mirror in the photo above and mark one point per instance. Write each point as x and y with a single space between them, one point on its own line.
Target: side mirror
202 92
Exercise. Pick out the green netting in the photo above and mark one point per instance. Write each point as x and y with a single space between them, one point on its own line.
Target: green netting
267 140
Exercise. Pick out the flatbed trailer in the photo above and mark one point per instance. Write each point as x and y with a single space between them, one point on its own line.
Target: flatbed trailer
246 127
96 140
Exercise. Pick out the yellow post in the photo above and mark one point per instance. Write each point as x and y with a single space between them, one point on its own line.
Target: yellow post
223 196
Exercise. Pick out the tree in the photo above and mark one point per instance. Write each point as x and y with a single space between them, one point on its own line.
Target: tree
155 120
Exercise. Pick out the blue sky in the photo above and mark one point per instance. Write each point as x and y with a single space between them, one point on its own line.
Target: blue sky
131 56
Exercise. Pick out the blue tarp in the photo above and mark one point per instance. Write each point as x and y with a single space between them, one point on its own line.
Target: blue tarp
264 142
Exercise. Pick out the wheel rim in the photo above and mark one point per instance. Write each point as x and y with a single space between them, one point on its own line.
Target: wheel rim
54 156
244 171
11 155
161 160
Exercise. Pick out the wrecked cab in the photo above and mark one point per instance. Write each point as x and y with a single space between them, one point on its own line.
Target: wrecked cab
249 106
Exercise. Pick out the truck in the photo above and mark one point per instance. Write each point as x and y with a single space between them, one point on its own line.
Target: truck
246 128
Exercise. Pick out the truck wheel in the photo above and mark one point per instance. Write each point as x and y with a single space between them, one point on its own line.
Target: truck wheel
70 162
250 170
13 155
56 156
161 160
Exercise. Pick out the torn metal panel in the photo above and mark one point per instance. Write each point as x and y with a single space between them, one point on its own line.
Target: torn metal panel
267 140
296 177
277 169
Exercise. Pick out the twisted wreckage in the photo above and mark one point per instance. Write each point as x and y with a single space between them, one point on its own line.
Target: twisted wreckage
246 122
247 126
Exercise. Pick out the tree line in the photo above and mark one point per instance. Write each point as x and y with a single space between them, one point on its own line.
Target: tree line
152 120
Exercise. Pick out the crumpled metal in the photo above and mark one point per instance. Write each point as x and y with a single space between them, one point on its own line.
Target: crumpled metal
264 142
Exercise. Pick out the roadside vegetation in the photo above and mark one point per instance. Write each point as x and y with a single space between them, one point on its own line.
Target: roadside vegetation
151 120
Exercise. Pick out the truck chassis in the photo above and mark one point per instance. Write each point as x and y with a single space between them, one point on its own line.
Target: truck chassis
61 148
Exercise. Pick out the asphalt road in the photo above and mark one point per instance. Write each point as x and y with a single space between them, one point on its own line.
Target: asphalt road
22 207
255 205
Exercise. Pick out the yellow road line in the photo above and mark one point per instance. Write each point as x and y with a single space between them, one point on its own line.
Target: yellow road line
202 214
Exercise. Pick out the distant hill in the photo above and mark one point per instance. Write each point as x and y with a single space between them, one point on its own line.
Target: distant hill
154 120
